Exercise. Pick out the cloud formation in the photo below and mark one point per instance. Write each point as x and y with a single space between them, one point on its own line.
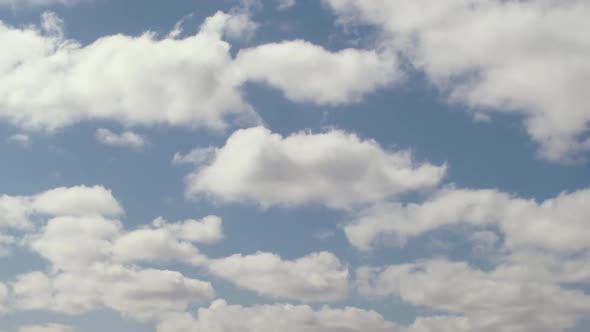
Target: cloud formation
318 277
126 139
476 300
49 82
15 211
557 224
101 264
222 317
523 57
334 168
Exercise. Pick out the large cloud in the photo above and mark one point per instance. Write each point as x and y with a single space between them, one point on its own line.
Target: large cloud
48 82
221 317
523 57
558 224
141 294
315 277
477 300
95 263
334 168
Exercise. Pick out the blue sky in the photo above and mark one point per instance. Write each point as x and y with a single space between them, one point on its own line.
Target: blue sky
336 165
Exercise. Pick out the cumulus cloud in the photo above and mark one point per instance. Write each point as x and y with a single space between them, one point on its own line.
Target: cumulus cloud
305 72
49 82
126 139
523 57
317 277
557 224
335 169
140 294
221 317
15 211
101 264
476 300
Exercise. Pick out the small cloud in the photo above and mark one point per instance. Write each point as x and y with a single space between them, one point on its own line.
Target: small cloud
195 157
324 235
285 4
126 139
21 139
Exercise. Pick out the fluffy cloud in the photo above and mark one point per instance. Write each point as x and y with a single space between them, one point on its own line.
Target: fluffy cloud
87 271
45 79
316 277
221 317
558 224
476 300
126 139
524 57
317 75
49 82
333 168
15 211
141 294
46 328
97 267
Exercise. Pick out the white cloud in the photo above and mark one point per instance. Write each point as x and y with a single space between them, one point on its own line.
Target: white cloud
21 139
558 224
476 300
127 139
305 72
523 57
153 245
15 211
317 277
333 168
89 241
45 80
48 82
235 26
141 294
93 260
206 230
77 201
46 328
221 317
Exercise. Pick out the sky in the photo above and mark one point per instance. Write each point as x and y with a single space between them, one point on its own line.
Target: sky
294 165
